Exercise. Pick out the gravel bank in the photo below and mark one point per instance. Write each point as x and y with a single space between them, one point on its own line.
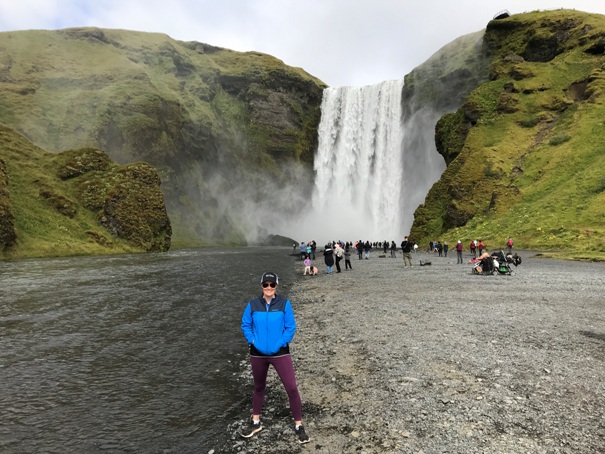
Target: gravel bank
433 359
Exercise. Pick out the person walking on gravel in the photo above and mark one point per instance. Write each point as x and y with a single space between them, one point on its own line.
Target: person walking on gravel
406 248
269 325
459 251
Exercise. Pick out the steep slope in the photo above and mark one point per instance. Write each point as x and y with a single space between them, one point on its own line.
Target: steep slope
217 124
76 202
525 153
436 87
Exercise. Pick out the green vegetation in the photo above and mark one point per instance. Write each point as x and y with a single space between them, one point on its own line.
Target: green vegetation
532 159
191 110
76 203
522 135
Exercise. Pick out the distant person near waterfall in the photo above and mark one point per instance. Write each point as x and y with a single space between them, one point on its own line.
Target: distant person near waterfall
329 257
347 258
307 269
509 245
393 250
269 325
340 253
406 248
359 247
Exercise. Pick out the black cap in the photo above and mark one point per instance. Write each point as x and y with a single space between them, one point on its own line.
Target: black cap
269 277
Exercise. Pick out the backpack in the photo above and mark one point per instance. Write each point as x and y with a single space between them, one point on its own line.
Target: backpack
510 242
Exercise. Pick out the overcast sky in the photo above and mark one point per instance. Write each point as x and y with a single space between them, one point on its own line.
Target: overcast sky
342 42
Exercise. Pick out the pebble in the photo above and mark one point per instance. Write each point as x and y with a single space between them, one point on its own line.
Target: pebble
405 386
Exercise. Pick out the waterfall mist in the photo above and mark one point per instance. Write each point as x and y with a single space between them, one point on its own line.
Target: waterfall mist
376 158
371 170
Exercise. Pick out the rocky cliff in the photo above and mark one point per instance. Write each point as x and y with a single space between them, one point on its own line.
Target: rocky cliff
433 89
227 131
76 202
525 150
515 111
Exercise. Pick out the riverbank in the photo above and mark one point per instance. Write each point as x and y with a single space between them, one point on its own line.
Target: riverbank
433 359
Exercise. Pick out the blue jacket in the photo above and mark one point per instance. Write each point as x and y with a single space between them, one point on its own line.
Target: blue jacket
269 328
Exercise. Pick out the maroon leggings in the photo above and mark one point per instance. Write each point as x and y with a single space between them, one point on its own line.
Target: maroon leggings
284 368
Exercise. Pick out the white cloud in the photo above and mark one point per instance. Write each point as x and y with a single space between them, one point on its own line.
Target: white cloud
342 42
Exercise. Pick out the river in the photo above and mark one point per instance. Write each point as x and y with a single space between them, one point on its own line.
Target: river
126 353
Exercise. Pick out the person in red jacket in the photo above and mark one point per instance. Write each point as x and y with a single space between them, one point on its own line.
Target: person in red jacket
459 251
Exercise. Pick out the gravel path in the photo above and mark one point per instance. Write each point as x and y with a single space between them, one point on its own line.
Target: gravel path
433 359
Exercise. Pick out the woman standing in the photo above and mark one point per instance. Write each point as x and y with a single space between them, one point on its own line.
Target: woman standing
340 253
329 257
269 325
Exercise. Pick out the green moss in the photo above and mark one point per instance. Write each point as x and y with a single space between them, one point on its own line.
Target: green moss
147 97
54 216
530 169
557 140
450 134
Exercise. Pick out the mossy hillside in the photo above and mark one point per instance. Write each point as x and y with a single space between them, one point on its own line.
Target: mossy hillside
7 218
177 105
531 163
53 214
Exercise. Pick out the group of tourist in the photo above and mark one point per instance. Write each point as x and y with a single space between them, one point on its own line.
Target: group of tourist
268 322
336 251
306 249
474 246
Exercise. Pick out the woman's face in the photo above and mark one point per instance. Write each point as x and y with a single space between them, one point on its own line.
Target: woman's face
269 289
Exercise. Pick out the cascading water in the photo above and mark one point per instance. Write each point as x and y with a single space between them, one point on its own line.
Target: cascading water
359 163
377 159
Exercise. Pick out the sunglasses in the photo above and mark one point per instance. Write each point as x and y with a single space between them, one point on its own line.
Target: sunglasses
271 284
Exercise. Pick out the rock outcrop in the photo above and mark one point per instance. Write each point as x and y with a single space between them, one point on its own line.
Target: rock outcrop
523 147
77 202
215 123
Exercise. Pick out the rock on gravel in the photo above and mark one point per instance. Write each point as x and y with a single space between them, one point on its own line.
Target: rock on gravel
434 359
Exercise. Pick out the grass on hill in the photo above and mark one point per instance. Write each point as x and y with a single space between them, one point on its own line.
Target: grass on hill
49 221
532 166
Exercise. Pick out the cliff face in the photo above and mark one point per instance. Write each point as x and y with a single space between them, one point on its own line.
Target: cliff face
217 124
437 87
76 202
524 152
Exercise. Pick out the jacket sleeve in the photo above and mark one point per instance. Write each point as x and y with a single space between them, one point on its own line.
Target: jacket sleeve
247 324
289 324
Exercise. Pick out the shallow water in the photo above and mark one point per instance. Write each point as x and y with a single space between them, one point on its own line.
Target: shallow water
129 353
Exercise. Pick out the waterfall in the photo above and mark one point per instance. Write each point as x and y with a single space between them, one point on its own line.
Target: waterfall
359 164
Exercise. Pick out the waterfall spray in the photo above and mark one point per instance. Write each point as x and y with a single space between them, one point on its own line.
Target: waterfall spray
359 163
